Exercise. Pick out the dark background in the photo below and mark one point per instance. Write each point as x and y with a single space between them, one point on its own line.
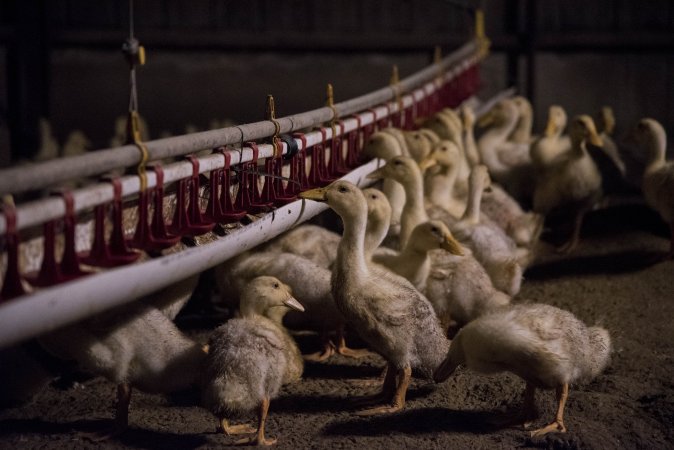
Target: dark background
211 60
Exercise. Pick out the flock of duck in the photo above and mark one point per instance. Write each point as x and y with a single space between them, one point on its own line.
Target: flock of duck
424 272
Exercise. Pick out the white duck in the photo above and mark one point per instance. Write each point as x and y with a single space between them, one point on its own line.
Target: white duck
440 181
552 143
546 346
389 314
404 170
137 346
491 246
572 181
508 162
658 178
521 134
247 360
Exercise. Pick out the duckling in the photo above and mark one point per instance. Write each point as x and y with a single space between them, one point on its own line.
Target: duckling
404 170
607 158
490 245
453 281
552 143
440 180
134 346
546 346
521 134
658 178
447 124
387 311
385 146
572 181
247 360
413 262
508 162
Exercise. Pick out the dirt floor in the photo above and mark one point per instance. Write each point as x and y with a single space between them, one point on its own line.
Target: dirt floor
616 278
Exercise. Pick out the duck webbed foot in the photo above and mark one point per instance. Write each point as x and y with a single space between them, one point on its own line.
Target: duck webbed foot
328 350
259 438
229 429
343 350
401 380
121 417
558 424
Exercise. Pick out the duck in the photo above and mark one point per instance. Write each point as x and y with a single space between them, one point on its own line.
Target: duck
440 181
405 171
521 134
294 269
247 361
136 346
552 142
490 245
391 316
508 161
572 182
454 282
447 124
548 347
413 262
607 157
468 136
658 178
385 145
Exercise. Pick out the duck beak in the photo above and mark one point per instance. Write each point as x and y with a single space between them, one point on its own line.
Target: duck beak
317 194
428 162
486 120
292 303
452 245
595 139
377 174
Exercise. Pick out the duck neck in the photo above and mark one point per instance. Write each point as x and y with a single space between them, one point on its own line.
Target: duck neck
441 186
247 309
491 139
469 146
351 250
414 211
377 228
578 146
415 263
522 132
472 213
657 148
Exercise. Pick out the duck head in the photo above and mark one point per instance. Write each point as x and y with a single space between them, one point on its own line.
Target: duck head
446 154
345 198
378 206
583 129
265 295
467 117
399 168
650 138
434 234
499 114
606 120
556 121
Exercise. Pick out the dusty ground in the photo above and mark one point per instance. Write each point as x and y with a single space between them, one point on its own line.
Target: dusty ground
615 278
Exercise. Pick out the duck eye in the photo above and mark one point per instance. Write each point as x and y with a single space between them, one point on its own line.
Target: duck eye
373 196
276 285
342 189
397 163
434 229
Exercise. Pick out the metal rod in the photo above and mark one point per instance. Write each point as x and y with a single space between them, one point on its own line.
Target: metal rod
48 309
42 175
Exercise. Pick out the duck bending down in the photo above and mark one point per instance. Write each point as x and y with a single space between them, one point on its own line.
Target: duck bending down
572 182
490 245
247 360
546 346
658 178
136 346
387 311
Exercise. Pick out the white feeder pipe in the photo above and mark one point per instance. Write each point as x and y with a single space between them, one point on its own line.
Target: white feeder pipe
48 309
48 173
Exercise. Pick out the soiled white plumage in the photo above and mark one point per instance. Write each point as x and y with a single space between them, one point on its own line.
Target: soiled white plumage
490 245
387 311
546 346
312 242
248 359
